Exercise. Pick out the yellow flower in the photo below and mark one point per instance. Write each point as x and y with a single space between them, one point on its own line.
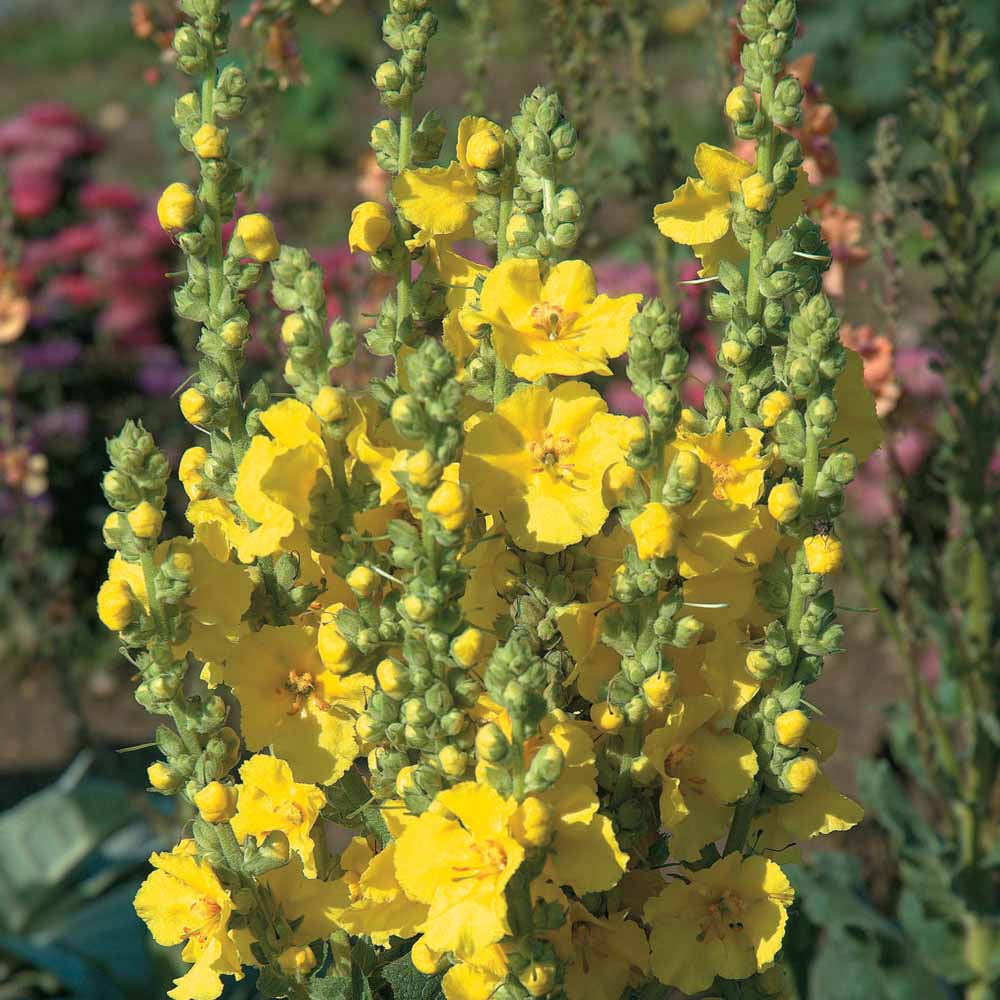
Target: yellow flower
176 207
605 954
293 704
717 534
817 811
727 920
734 458
717 668
191 473
700 212
774 406
824 554
259 239
311 901
277 474
115 605
210 141
370 227
492 568
655 531
540 460
440 201
580 626
458 859
377 906
791 727
375 443
183 901
857 420
702 772
478 978
270 799
557 327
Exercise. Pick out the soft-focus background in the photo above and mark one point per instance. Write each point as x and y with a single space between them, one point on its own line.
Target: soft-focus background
87 339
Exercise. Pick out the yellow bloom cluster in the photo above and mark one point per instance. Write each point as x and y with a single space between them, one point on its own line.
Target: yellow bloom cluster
531 654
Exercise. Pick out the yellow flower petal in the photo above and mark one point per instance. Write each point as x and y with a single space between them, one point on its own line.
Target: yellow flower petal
438 200
697 213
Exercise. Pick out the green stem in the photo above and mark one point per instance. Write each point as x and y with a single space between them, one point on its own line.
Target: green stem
230 848
742 818
517 749
506 210
148 564
210 195
405 278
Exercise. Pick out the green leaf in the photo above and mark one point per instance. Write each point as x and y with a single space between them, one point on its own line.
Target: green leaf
939 942
350 803
847 968
832 895
882 794
46 837
409 984
330 988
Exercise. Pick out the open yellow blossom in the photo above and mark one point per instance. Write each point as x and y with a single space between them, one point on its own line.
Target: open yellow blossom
703 772
655 531
440 201
727 920
377 905
277 474
595 663
458 860
857 424
699 214
718 534
605 955
734 459
183 902
293 704
270 799
539 461
479 977
718 668
313 902
559 326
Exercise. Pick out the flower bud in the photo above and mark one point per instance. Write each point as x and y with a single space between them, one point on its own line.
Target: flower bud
417 609
423 470
654 531
642 770
740 105
784 501
758 193
824 554
330 404
467 649
760 664
393 678
258 236
371 227
491 743
145 520
297 960
334 650
774 406
163 778
606 717
799 774
485 149
362 581
538 978
210 141
216 802
388 75
195 406
659 689
177 207
453 761
291 327
790 727
115 605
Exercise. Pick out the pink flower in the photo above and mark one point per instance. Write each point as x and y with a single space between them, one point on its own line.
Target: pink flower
99 196
34 197
918 378
621 399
